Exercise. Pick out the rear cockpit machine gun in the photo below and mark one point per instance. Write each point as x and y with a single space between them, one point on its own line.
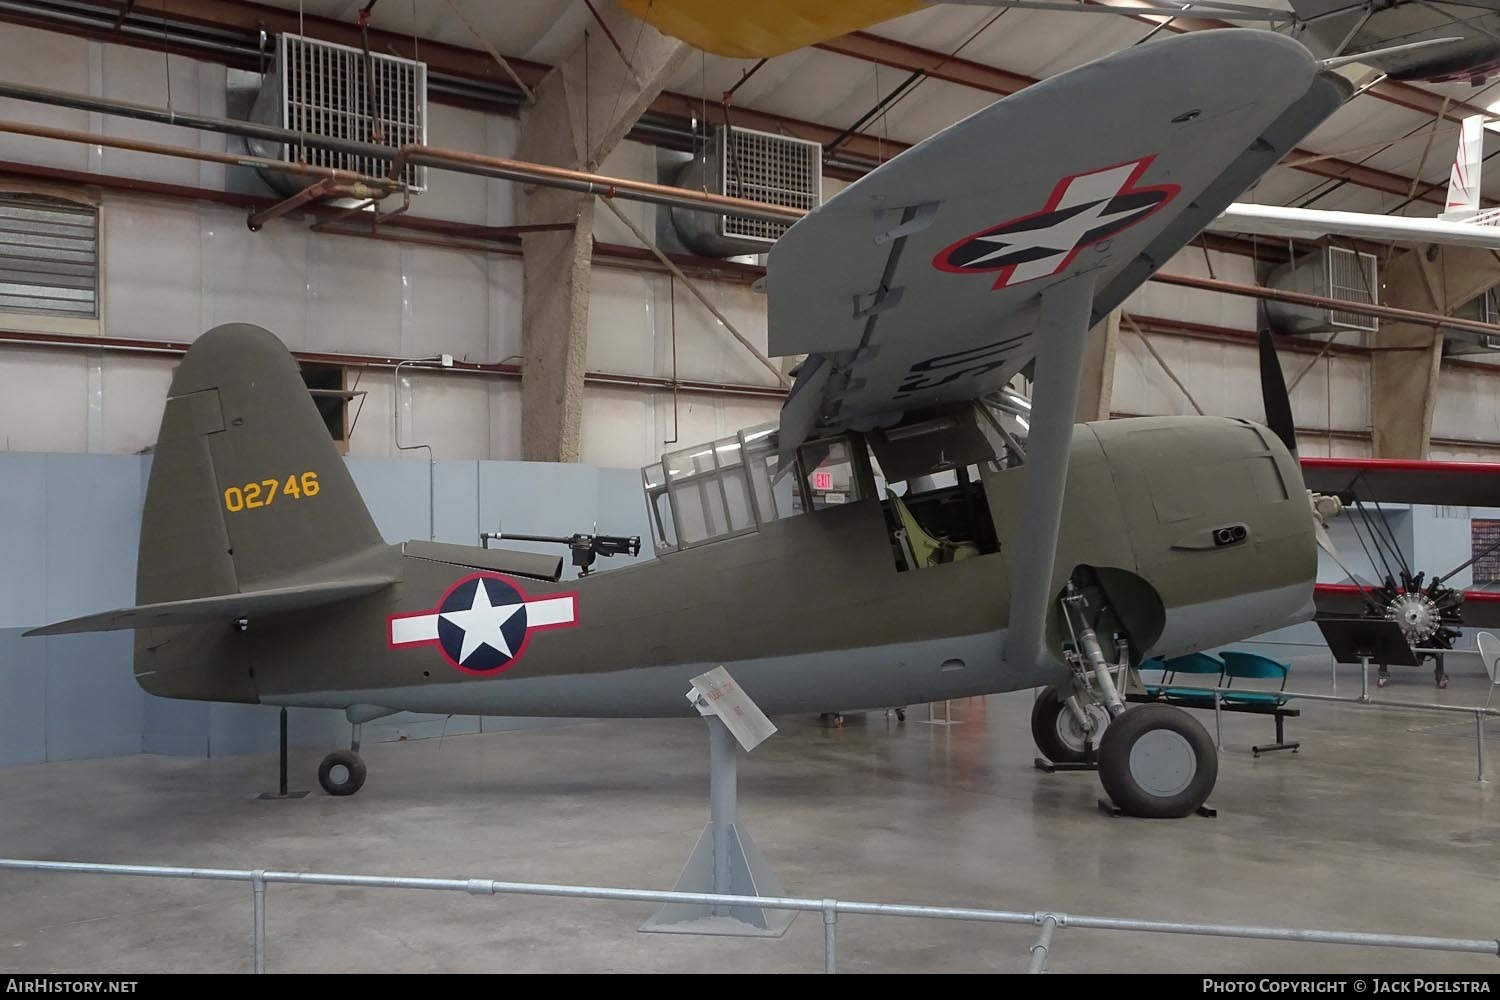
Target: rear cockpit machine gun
585 548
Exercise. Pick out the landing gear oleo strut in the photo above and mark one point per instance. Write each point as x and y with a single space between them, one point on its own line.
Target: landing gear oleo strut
1154 761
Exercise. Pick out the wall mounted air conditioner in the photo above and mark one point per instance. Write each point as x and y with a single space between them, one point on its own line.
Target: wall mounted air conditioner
758 166
1332 272
322 89
1484 308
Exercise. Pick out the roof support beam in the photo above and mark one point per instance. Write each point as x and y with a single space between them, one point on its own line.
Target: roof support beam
583 108
1404 367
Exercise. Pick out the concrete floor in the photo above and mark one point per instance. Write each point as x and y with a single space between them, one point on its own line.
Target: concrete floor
1377 824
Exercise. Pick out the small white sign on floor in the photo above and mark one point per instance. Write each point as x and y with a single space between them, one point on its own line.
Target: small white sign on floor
718 693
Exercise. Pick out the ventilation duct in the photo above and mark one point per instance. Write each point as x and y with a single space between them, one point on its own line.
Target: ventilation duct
335 91
758 166
1332 272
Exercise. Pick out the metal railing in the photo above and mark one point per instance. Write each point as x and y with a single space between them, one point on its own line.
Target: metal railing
1048 921
1363 700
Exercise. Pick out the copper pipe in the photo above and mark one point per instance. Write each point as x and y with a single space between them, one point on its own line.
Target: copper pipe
586 183
320 189
652 383
607 187
343 178
1324 302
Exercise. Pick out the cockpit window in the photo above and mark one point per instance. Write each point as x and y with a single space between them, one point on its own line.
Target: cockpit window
717 490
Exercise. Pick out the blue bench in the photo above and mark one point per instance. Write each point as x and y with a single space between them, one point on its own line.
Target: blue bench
1233 666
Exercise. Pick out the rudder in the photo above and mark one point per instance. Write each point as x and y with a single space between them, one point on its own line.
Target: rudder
1463 180
246 484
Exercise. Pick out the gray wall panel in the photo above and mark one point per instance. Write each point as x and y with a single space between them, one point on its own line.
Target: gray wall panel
23 539
93 528
171 726
395 490
23 698
458 503
94 707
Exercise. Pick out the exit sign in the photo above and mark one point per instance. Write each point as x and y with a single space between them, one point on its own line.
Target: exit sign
822 480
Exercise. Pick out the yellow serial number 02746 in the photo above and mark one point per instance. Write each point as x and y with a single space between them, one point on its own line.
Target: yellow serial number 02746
265 492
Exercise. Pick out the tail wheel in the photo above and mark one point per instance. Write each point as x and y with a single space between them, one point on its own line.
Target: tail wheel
1158 762
342 773
1057 733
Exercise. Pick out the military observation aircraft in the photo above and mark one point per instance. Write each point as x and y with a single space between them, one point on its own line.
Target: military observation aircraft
990 248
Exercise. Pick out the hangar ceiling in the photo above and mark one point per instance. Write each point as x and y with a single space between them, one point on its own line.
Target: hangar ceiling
1404 131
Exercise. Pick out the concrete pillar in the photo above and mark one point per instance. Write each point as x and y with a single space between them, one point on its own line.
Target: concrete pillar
1096 383
1404 368
584 107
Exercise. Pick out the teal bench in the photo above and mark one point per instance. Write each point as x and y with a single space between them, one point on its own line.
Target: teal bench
1223 673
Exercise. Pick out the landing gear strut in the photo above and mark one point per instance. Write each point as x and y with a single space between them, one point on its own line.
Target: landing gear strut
1154 761
343 771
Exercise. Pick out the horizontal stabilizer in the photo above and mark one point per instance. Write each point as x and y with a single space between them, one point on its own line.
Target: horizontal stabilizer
221 607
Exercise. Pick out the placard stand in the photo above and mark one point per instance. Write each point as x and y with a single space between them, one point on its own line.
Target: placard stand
725 861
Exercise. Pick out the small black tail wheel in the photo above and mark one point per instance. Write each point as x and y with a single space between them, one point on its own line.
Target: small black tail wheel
342 773
1057 733
1158 762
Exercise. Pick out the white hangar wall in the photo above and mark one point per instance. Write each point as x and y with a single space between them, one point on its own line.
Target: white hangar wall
172 268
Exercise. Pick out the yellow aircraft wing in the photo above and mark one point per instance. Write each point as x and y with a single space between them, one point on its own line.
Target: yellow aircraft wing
766 27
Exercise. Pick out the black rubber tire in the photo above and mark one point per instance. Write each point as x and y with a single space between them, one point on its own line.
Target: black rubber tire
1114 762
353 768
1044 718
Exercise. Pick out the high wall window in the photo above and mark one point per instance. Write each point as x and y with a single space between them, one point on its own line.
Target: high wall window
49 257
326 384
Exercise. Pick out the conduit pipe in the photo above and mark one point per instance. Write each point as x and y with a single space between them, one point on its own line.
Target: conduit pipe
356 185
456 160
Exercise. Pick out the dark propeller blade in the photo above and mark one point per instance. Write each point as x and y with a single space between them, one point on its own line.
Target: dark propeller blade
1273 393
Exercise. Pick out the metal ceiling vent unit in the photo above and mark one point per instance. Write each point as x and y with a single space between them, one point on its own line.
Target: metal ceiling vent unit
1332 272
339 92
758 166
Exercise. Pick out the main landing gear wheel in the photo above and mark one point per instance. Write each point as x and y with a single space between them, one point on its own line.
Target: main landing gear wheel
1057 732
1158 762
342 773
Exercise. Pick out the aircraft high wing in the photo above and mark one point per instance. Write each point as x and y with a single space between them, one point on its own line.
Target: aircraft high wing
921 283
997 243
1463 222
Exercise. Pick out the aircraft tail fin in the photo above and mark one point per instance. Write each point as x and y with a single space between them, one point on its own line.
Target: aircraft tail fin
1463 181
246 484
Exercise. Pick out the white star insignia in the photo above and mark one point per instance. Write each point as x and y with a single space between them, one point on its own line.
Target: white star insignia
482 624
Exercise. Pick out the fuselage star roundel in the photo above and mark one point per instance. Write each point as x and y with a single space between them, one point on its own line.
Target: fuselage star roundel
915 293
